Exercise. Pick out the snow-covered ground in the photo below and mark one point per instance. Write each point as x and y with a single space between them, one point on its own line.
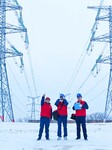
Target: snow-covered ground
22 136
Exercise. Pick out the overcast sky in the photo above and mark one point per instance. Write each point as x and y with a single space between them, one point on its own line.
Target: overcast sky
58 32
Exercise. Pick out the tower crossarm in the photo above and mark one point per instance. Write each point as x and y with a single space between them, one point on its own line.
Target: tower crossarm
10 7
14 29
11 53
101 38
102 8
103 17
105 60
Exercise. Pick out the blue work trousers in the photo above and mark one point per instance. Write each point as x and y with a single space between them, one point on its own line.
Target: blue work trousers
44 121
62 120
80 120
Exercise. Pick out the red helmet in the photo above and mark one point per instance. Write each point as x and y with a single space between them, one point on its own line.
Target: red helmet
47 98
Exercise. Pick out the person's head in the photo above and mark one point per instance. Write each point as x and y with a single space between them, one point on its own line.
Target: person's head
79 96
47 100
62 96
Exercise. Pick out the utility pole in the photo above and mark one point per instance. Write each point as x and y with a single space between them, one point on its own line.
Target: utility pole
6 108
107 10
33 109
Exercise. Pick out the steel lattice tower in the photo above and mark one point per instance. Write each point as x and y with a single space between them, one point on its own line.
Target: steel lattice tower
33 109
107 16
5 28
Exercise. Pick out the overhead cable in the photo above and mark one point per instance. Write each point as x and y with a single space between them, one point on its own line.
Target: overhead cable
16 81
98 95
95 85
32 72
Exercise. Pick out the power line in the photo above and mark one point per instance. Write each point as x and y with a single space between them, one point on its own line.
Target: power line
16 81
85 79
84 82
32 72
98 95
19 100
95 85
75 72
28 85
20 110
94 28
91 70
80 61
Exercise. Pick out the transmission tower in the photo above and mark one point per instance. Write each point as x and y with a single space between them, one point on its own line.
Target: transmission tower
107 16
33 109
6 6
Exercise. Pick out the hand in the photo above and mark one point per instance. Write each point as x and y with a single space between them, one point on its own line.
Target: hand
61 100
80 105
44 94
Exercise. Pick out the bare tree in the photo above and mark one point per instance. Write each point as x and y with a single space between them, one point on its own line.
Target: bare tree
95 117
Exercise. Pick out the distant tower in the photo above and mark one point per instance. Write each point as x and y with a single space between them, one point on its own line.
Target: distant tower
33 109
107 10
6 109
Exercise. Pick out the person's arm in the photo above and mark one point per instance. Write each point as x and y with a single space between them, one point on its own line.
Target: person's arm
65 102
73 108
85 106
51 113
42 100
57 102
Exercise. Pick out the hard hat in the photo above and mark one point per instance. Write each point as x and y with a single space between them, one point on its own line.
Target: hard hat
62 95
79 95
47 98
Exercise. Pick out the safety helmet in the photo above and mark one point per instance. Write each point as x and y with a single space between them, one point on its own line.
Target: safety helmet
47 98
79 95
62 95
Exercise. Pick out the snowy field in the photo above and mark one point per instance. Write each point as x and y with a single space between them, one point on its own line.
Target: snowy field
22 136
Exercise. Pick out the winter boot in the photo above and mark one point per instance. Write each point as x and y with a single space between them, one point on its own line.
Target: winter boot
65 138
59 138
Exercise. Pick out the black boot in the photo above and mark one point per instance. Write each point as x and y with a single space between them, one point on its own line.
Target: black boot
38 139
77 138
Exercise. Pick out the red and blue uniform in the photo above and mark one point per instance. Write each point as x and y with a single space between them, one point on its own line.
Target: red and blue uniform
82 111
46 110
62 116
62 108
46 116
81 117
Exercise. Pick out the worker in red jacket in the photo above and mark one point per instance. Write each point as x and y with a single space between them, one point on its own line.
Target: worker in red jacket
61 104
80 107
46 116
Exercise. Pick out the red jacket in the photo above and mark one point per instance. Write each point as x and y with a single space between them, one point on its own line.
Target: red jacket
62 109
82 111
46 110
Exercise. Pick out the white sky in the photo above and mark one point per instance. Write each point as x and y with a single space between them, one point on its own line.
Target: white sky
58 32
